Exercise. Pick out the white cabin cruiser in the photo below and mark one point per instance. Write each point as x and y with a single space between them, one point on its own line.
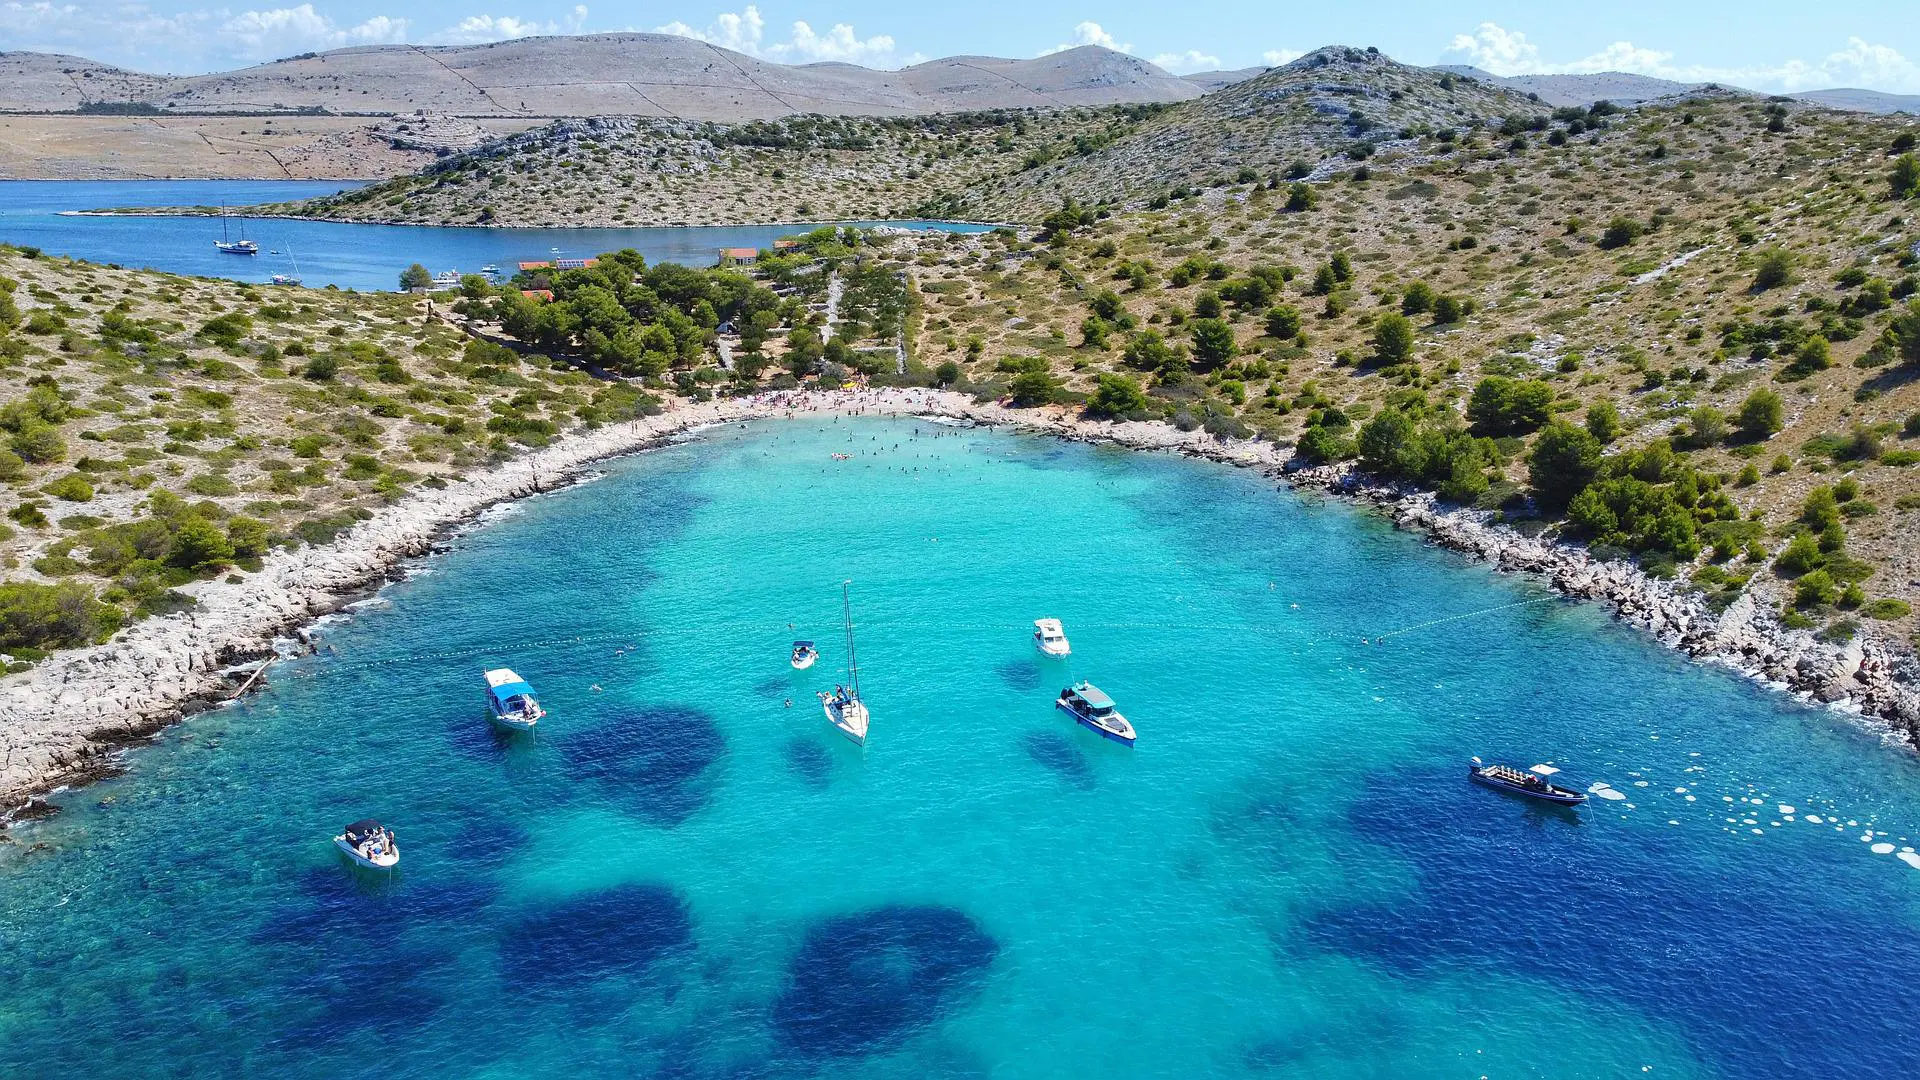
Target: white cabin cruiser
1050 638
370 844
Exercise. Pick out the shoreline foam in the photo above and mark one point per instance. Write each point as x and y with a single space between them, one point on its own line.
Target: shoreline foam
62 722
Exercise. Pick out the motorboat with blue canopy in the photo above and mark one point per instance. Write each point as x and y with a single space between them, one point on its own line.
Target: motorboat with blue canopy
804 654
511 701
1086 703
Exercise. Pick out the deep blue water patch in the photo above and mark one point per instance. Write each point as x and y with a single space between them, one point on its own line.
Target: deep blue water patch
359 991
1762 971
1022 675
621 931
809 761
336 903
487 843
864 982
1058 755
658 762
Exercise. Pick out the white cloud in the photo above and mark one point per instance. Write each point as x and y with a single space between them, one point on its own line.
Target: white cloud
1276 57
134 34
1879 67
1090 33
746 32
475 29
1186 63
283 31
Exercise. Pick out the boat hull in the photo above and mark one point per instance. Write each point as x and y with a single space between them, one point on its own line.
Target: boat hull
804 662
1554 796
1050 652
1094 726
512 723
386 862
850 720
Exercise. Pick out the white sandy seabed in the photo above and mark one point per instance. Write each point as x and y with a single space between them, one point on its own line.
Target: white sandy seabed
62 721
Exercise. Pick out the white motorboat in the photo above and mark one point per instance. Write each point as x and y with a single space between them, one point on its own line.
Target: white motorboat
510 701
370 844
844 709
804 654
1050 638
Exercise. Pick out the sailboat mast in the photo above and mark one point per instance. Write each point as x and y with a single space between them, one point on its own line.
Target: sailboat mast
846 610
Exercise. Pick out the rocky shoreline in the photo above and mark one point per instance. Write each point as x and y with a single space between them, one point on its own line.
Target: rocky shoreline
62 722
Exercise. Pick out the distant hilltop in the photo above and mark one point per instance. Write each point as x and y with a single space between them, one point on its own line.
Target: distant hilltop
664 76
650 75
1625 88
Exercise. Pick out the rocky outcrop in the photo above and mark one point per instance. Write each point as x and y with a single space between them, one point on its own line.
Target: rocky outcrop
1863 675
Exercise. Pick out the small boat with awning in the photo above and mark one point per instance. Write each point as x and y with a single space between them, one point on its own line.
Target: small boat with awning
1086 703
511 702
1531 783
369 844
804 654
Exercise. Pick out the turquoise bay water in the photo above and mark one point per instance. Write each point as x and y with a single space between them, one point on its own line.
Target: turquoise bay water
351 256
681 876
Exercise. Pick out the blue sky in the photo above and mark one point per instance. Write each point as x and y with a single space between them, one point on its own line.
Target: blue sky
1761 44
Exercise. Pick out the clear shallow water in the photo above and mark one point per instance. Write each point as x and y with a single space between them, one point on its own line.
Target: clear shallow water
350 256
681 876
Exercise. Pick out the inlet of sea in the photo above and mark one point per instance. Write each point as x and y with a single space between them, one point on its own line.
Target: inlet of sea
687 872
42 214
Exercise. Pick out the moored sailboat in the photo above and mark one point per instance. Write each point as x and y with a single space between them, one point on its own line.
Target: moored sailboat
227 246
844 709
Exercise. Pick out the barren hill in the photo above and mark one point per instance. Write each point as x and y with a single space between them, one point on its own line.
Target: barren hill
1305 116
596 75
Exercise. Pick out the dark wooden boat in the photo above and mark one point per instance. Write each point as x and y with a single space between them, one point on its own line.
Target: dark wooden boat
1532 784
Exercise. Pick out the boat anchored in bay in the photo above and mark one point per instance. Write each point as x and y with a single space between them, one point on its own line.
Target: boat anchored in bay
1084 702
1532 784
370 844
510 701
1050 638
804 654
844 709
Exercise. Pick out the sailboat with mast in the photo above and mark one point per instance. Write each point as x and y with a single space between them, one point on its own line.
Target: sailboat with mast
227 246
843 707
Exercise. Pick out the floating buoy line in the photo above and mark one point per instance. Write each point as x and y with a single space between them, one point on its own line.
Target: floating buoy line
336 662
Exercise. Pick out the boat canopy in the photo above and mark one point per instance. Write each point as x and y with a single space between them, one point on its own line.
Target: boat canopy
1544 770
1091 694
509 691
803 644
361 830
